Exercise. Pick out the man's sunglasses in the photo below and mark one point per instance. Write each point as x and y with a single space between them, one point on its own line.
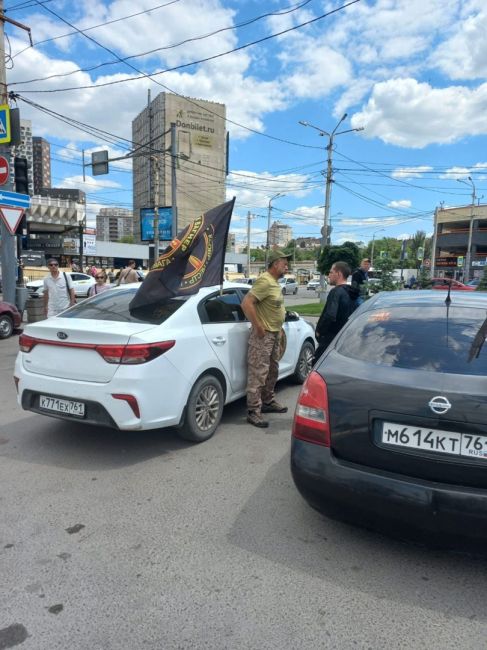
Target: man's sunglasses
53 265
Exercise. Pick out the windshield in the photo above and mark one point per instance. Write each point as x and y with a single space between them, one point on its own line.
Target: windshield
113 305
425 338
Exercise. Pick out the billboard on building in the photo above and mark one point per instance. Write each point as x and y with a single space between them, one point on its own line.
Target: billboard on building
147 224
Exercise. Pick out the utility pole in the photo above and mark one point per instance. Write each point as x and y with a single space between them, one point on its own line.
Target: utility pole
468 256
155 159
249 217
325 231
8 248
269 213
174 187
433 246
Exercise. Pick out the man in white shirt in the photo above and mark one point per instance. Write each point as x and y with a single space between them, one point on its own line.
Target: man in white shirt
58 290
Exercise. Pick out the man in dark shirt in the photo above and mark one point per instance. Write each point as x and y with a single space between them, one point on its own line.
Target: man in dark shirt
359 279
340 303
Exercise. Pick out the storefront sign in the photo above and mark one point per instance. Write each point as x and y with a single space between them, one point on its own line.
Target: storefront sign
446 261
45 243
479 262
147 224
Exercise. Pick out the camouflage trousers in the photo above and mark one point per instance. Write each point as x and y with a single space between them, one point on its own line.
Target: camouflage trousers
263 367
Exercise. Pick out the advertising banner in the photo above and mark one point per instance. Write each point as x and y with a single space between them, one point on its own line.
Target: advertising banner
147 224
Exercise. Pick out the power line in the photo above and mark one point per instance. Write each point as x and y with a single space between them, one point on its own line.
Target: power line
151 76
87 29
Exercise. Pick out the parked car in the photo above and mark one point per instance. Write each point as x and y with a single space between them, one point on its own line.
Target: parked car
474 282
81 285
10 319
289 285
442 284
96 363
390 429
313 285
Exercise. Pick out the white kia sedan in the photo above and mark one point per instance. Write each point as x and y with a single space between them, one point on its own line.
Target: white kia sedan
177 366
81 285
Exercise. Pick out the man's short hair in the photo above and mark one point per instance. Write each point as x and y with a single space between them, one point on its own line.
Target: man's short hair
366 259
52 259
131 262
343 268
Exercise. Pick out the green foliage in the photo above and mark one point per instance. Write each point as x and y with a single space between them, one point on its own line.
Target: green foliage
127 239
309 309
482 286
347 252
386 266
299 254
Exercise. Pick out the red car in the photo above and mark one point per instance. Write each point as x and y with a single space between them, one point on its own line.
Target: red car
441 284
10 319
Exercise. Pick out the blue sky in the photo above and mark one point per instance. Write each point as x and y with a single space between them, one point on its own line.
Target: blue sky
412 73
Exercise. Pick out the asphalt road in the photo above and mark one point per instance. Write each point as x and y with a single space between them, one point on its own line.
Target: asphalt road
133 541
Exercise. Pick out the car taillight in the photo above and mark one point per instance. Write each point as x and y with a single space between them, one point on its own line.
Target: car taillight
26 343
311 416
133 354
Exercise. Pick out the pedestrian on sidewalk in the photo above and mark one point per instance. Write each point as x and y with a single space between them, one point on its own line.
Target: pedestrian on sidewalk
340 303
101 284
360 277
58 290
264 307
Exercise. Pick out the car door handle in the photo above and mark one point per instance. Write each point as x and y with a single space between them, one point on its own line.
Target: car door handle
219 340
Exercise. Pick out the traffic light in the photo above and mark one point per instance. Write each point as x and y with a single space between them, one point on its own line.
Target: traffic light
21 171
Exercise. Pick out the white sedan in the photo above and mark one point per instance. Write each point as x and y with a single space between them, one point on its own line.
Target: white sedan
97 364
81 285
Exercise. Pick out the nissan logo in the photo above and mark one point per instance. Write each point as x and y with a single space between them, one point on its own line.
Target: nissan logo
439 405
62 335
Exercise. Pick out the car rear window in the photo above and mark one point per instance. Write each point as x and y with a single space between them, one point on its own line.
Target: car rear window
434 338
113 305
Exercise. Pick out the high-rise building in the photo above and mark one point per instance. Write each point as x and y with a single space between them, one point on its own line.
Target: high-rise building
41 168
114 223
192 156
23 150
280 234
64 193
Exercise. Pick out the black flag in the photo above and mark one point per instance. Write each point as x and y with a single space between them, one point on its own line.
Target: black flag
193 260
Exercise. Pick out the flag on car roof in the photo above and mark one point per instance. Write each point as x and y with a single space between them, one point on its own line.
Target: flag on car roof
194 259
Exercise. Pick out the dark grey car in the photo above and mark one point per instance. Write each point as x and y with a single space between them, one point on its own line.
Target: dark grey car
390 429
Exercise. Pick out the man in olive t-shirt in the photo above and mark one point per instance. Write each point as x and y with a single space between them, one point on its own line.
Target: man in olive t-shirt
264 307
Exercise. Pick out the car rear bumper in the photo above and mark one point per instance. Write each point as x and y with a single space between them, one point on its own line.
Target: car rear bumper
405 506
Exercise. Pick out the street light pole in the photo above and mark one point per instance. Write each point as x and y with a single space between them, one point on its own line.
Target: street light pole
325 232
373 245
468 256
269 212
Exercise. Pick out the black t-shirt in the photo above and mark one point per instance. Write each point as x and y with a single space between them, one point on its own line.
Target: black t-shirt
340 303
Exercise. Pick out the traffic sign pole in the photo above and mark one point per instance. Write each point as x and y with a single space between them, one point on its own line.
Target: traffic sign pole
8 248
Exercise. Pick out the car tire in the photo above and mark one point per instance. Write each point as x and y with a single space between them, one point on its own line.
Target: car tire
304 363
296 291
6 326
203 410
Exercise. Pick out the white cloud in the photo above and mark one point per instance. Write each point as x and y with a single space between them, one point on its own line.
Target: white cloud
456 173
254 190
403 204
411 172
464 55
90 184
407 113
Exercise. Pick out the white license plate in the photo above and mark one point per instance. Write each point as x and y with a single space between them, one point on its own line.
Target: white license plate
67 406
436 440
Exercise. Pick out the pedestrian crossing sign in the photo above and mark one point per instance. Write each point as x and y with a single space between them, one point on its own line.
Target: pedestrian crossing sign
5 135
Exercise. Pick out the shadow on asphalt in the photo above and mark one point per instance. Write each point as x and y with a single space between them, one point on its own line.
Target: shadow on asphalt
52 442
277 524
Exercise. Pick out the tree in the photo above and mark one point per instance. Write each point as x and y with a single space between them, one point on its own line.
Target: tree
482 285
127 239
386 266
347 252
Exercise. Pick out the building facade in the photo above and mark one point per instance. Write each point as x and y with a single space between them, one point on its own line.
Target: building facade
280 235
308 243
114 223
65 194
41 164
191 158
460 242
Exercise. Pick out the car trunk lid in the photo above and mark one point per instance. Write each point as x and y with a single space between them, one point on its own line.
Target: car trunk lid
66 349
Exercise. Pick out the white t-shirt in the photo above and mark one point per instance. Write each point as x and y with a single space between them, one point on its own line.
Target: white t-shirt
58 298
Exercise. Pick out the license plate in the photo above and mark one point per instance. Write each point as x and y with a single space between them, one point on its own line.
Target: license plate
67 406
435 440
